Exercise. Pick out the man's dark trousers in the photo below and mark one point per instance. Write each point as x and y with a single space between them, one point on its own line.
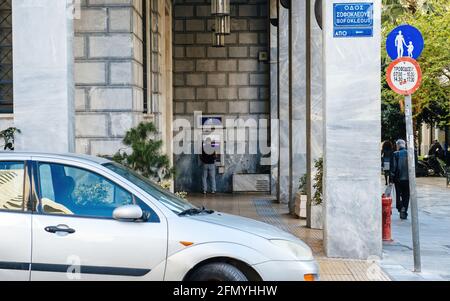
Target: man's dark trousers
402 195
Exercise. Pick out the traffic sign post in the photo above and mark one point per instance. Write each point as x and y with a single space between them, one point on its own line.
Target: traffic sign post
404 76
412 183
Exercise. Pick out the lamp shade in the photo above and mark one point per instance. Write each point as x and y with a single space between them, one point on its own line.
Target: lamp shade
220 7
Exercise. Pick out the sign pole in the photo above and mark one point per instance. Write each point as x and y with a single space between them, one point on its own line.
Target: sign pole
404 45
412 183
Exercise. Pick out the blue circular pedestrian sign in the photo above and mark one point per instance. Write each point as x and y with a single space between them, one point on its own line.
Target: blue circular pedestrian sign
404 40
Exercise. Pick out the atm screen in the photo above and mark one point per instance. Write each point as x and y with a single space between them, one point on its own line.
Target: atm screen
212 121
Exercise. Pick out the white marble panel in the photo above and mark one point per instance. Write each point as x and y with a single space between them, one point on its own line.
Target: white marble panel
283 104
6 121
316 110
43 75
298 92
316 88
274 134
352 105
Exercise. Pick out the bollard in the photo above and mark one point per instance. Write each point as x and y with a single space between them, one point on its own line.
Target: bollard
387 212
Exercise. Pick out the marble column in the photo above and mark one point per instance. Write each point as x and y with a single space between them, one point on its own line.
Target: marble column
283 105
315 102
274 133
297 106
352 129
43 75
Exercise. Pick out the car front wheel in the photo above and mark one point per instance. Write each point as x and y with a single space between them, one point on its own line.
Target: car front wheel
218 272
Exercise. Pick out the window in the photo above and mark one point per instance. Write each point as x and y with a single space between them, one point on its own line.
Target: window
152 55
145 58
75 191
6 55
155 54
165 197
11 186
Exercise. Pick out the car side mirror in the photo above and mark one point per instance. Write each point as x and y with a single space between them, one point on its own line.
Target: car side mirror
128 213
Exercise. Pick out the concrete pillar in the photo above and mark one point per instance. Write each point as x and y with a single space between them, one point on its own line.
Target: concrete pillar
43 75
283 105
352 108
297 104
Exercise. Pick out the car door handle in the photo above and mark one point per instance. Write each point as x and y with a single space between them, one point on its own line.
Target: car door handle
59 228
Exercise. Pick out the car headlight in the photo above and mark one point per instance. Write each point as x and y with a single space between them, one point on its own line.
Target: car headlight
299 250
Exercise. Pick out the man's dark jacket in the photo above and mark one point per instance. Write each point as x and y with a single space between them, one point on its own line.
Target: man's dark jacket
399 165
207 158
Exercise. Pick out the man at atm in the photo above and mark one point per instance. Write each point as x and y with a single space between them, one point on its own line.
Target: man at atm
208 158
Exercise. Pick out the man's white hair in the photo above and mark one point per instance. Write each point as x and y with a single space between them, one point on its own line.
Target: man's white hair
401 143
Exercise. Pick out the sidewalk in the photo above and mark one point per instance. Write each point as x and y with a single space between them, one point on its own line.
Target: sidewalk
265 209
434 218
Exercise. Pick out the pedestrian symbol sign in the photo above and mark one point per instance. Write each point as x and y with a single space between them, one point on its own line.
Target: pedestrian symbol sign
353 20
404 41
404 75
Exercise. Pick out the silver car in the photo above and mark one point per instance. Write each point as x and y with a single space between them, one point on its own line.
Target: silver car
72 217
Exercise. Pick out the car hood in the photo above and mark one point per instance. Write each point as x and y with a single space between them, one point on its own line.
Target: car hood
245 224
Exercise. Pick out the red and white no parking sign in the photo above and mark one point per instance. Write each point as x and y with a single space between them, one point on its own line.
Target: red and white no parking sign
404 75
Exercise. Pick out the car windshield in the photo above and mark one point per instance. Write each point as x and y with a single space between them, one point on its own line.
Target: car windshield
168 199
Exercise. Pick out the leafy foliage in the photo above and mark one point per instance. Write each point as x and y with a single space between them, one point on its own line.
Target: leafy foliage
146 157
393 10
432 100
302 185
318 182
8 137
393 125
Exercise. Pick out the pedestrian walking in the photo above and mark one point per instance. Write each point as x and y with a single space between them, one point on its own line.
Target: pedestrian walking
208 158
387 150
400 178
436 150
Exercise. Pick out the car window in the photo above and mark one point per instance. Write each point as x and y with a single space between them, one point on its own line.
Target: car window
165 197
11 186
74 191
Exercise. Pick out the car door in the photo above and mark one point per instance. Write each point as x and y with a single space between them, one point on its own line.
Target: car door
75 236
15 221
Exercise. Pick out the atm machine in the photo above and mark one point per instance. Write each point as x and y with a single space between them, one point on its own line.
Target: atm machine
211 126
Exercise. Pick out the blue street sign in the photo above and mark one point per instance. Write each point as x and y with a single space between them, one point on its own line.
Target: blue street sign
353 20
404 40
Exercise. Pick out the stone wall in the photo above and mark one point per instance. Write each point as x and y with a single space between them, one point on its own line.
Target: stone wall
108 50
228 81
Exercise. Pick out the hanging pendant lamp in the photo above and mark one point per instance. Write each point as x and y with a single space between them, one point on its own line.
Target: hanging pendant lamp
220 7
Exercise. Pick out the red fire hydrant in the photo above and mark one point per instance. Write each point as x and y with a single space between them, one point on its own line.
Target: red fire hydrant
387 212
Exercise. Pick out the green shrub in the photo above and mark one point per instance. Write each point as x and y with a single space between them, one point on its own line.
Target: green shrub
302 185
145 156
8 137
318 182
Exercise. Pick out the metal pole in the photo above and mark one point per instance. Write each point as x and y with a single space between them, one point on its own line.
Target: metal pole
412 183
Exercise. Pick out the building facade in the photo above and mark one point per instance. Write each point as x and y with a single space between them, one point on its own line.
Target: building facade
283 91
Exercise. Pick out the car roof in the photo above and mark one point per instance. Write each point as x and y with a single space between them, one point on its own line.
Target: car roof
72 156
